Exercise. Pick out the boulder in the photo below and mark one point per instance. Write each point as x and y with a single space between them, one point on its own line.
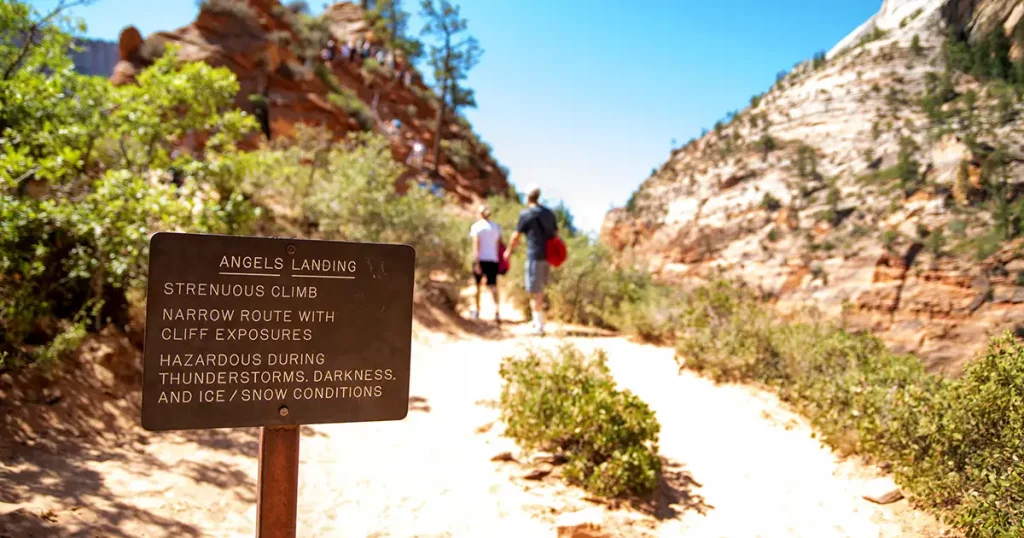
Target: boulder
503 456
587 523
128 43
539 472
882 491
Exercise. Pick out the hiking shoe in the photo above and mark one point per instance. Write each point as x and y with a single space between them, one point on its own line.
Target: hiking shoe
537 331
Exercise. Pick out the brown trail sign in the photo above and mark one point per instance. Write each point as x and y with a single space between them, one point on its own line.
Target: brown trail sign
248 331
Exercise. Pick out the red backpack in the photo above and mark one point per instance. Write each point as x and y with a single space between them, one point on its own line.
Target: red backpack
556 251
502 262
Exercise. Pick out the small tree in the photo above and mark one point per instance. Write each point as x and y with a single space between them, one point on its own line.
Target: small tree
806 162
962 185
915 46
907 167
819 59
389 19
766 144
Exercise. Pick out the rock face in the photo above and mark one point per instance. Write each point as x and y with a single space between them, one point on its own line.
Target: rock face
799 195
257 48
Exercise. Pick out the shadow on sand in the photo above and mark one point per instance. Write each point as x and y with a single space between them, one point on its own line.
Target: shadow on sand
673 498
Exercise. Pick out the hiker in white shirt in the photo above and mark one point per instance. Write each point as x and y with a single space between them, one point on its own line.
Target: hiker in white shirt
486 255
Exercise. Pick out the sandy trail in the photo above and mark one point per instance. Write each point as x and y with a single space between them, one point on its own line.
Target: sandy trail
743 467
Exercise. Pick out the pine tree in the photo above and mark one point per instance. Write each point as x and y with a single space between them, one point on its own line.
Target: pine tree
915 46
452 56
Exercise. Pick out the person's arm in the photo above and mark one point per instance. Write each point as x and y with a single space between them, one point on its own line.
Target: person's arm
476 253
512 242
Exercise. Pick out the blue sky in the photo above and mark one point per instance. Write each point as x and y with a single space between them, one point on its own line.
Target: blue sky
584 97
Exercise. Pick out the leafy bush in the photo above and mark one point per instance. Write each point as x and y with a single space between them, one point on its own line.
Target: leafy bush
723 332
348 101
954 444
770 203
806 162
915 46
819 60
459 153
875 34
347 191
568 402
72 251
589 288
986 58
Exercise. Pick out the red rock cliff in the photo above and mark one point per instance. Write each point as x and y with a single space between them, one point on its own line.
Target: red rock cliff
255 43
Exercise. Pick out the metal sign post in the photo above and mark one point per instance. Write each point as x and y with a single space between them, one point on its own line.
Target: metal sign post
276 333
277 488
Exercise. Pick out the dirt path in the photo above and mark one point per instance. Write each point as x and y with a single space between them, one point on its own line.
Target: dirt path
740 466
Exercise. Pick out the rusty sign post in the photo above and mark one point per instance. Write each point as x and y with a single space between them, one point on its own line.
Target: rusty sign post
270 332
277 488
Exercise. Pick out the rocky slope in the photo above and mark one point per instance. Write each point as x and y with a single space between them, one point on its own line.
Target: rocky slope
849 189
258 40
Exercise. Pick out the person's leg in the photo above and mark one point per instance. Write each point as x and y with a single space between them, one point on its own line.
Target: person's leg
476 312
497 303
540 281
531 285
537 310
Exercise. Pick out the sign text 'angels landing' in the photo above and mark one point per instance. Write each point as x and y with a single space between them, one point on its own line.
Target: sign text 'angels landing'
245 331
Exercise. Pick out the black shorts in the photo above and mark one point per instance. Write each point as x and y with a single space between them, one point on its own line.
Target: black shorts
489 270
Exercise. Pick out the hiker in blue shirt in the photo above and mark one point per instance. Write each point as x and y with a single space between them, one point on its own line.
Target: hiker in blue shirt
538 224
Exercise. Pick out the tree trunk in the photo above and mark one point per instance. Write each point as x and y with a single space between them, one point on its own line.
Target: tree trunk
438 129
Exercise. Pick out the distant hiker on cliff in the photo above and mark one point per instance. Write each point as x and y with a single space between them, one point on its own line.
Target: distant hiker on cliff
486 258
346 51
326 54
539 225
416 155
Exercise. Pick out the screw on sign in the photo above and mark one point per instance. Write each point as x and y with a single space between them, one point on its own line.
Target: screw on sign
252 331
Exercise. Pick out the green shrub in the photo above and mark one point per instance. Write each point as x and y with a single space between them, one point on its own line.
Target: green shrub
724 332
770 203
889 238
71 255
356 109
766 144
935 242
875 34
654 315
631 202
915 46
459 153
819 60
954 444
347 191
588 288
806 162
568 402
